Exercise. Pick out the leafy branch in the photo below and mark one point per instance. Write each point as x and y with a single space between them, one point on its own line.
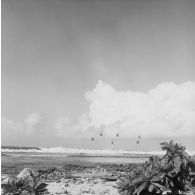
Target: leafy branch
33 184
173 172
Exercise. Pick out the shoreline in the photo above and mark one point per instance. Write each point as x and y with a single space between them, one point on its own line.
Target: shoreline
73 175
76 179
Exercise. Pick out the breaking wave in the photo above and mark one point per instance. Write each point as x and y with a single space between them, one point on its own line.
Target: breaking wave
82 151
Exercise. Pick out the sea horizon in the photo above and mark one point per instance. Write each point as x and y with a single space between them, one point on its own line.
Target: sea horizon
82 151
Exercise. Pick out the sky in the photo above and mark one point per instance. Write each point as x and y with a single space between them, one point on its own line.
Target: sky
73 69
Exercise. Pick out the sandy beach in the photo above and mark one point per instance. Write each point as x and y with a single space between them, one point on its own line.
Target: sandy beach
75 179
88 181
73 174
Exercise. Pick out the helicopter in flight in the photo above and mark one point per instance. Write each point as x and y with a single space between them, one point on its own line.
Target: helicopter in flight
139 139
92 139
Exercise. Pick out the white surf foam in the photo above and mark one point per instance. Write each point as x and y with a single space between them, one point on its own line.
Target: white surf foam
89 151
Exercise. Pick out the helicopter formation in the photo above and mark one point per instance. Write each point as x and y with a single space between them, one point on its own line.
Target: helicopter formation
117 135
138 140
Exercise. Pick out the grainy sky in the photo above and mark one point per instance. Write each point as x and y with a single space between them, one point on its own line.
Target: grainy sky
69 67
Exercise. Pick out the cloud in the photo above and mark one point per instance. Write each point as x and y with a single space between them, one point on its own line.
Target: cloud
62 123
166 110
34 124
8 127
62 127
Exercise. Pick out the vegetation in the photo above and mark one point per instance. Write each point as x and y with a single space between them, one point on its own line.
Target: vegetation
11 187
174 173
34 185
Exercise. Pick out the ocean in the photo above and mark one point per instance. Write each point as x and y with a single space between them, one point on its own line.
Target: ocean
35 157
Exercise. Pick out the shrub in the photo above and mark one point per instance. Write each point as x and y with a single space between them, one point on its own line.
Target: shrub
33 185
173 172
36 187
11 186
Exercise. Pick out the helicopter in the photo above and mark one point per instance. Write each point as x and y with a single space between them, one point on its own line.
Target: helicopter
92 139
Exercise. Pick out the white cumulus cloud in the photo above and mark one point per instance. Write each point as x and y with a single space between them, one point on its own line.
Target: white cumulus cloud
166 110
34 124
64 128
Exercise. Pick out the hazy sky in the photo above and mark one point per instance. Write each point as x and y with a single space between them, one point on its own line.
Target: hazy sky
71 69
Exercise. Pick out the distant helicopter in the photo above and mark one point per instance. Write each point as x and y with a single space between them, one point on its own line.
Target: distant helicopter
92 139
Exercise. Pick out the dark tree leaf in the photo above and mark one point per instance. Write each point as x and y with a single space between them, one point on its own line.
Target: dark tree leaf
41 187
27 188
140 188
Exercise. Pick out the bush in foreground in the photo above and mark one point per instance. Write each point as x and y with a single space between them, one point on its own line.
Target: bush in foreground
174 173
31 183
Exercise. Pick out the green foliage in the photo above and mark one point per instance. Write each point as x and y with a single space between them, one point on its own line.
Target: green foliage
36 186
11 187
33 185
173 172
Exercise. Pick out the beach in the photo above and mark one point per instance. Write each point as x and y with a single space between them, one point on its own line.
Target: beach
72 173
77 179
